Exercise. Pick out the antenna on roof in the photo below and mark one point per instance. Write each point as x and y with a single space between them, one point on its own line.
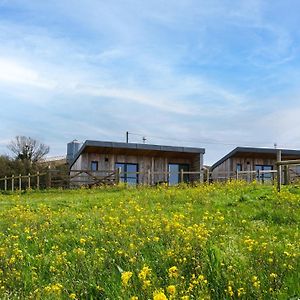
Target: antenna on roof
144 140
275 145
127 137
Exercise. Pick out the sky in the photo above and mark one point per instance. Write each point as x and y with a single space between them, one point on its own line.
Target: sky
212 74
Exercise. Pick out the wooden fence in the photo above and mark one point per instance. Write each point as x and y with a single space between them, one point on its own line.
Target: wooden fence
78 178
22 182
286 172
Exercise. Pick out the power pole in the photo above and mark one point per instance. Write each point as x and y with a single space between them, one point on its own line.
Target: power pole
127 137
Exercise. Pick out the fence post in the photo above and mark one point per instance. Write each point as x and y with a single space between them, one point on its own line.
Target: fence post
237 174
278 170
181 175
12 183
285 174
118 172
29 181
20 182
38 180
149 177
207 175
49 179
5 183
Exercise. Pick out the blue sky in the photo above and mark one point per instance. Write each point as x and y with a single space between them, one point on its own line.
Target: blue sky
214 74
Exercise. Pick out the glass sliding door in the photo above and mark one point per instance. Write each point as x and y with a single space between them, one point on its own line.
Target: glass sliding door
174 173
128 173
264 176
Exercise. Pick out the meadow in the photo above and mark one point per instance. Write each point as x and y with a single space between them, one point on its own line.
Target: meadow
218 241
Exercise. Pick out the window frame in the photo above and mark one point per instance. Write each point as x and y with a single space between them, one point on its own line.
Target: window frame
239 167
96 164
124 176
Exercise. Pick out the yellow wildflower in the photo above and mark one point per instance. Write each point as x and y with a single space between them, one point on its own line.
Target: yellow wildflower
159 296
146 284
201 277
125 277
144 273
241 291
171 289
173 272
230 291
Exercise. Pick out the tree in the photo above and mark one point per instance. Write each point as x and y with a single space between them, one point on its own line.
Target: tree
27 149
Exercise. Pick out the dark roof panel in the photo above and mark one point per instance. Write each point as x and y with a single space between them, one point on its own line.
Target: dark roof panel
237 150
118 145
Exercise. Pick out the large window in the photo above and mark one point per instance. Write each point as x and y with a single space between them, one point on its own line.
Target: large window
128 172
238 167
264 176
94 166
174 173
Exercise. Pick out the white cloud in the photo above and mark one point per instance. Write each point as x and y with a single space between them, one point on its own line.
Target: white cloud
13 72
284 126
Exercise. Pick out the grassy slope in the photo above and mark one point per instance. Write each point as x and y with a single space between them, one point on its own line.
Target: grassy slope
211 242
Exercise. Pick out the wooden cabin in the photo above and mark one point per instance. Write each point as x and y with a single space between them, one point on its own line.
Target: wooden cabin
249 162
137 163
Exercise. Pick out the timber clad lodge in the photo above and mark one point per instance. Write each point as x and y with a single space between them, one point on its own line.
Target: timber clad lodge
138 163
101 162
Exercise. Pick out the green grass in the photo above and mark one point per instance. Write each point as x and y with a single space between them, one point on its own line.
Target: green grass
230 241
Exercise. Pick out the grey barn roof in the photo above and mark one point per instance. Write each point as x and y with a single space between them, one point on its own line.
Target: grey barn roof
237 150
119 145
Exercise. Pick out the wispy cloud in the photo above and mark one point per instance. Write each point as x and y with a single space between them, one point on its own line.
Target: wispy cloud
199 70
15 73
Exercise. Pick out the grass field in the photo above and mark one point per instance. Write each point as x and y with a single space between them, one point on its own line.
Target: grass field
231 241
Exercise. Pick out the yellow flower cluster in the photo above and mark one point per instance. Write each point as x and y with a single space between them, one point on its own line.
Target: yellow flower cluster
125 277
212 241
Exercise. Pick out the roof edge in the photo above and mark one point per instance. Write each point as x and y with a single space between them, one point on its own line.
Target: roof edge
136 146
255 150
